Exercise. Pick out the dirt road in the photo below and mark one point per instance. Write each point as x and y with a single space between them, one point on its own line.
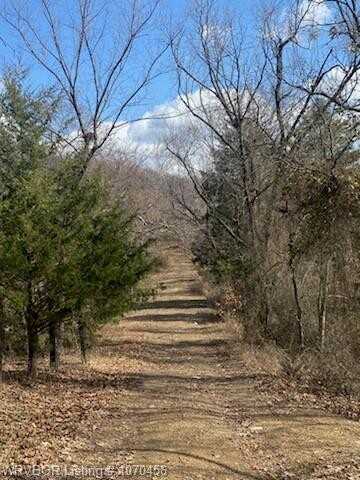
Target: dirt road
188 406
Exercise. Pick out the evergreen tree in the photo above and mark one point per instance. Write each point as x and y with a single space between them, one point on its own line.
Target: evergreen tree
65 247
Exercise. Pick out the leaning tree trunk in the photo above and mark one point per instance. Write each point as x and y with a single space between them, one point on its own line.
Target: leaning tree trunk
2 337
322 302
54 344
299 324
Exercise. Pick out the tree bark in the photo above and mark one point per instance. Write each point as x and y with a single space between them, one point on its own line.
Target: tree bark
299 324
322 302
54 344
264 310
82 339
33 347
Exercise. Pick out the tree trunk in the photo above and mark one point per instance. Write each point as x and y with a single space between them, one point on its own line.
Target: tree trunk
322 302
31 317
2 338
33 347
299 324
264 311
54 344
82 339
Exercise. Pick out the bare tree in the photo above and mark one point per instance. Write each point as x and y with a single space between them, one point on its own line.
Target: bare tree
95 55
262 100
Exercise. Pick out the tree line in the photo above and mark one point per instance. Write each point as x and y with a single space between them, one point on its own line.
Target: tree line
272 152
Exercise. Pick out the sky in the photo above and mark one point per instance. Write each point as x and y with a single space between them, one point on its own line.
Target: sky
163 90
161 97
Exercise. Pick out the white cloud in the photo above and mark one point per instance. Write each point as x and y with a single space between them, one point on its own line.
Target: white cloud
173 122
310 13
147 136
314 12
173 118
